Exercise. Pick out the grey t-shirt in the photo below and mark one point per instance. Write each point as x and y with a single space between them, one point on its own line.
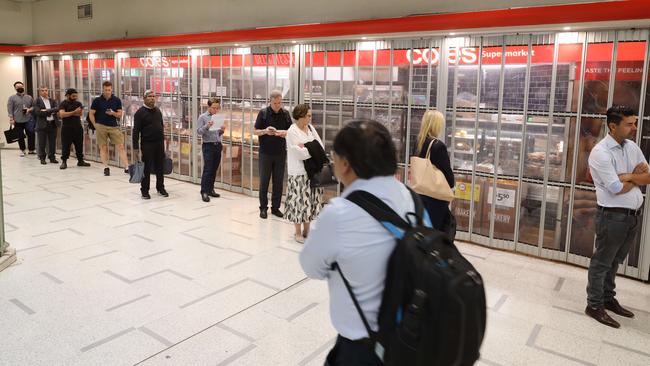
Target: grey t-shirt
15 107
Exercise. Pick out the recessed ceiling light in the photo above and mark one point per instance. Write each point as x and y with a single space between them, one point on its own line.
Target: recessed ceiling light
85 51
567 28
236 44
364 38
148 49
12 54
38 54
189 47
294 42
452 34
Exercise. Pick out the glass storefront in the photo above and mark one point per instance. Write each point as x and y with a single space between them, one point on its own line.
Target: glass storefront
523 113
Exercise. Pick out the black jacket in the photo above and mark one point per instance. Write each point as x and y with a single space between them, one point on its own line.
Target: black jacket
41 113
318 158
148 126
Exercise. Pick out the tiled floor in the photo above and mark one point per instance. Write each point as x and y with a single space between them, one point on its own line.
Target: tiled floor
105 278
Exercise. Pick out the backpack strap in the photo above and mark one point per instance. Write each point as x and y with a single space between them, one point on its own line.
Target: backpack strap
379 210
366 324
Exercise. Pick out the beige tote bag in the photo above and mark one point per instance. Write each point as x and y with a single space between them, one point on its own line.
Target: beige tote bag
427 180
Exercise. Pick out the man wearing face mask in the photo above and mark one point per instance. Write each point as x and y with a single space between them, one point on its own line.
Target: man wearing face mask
70 111
19 108
149 137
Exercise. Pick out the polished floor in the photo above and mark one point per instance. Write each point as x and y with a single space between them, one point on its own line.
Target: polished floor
105 278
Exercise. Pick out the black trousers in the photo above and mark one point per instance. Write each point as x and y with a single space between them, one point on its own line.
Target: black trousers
351 353
153 156
47 137
72 134
211 160
31 138
272 166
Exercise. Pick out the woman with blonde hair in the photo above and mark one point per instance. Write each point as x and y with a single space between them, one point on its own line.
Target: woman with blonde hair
433 123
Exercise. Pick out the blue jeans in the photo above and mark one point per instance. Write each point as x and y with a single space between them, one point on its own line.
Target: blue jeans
211 161
615 234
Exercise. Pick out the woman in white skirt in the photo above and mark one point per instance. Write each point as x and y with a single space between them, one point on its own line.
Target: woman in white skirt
303 203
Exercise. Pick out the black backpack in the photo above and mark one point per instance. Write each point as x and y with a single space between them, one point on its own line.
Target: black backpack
433 308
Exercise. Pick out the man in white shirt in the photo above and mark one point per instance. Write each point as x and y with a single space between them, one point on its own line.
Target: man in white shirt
364 158
46 112
618 168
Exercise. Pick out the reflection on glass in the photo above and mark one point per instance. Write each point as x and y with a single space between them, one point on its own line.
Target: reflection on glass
585 212
554 225
463 146
482 217
592 130
460 206
530 213
505 210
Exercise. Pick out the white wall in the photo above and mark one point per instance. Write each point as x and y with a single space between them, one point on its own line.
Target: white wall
11 70
55 21
15 22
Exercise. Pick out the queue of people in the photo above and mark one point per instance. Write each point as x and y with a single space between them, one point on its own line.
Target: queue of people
345 234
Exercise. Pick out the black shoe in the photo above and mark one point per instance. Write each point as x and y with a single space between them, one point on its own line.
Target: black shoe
205 197
277 212
54 161
146 195
617 309
43 162
126 171
82 163
214 194
107 172
64 165
263 214
163 192
32 152
602 317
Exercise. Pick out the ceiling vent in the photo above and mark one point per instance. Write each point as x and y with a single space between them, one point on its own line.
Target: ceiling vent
85 11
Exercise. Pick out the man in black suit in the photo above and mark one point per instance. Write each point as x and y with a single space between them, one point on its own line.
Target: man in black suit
45 111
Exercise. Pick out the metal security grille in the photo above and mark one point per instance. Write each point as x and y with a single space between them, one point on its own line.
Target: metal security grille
523 112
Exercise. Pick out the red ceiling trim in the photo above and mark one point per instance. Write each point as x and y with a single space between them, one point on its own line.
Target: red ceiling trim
559 14
11 49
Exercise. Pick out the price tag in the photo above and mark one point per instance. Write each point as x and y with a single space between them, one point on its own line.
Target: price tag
505 197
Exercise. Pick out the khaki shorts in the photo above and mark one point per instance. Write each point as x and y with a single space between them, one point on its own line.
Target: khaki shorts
105 133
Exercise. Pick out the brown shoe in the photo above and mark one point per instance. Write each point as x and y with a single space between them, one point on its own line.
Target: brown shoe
616 308
601 316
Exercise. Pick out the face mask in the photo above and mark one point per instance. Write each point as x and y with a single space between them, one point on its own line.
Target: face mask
20 90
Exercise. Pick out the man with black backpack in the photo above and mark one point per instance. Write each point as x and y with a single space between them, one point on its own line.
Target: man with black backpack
410 301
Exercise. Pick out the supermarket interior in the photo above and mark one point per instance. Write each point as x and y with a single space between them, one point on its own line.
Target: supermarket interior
102 277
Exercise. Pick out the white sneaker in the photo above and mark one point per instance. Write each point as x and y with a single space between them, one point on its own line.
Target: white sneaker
22 154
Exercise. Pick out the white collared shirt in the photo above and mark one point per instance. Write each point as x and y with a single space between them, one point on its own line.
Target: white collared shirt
607 161
46 101
346 234
297 155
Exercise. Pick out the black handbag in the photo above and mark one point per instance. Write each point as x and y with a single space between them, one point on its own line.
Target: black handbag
324 178
13 134
168 165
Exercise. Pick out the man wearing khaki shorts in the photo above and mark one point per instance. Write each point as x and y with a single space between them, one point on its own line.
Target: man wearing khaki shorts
105 112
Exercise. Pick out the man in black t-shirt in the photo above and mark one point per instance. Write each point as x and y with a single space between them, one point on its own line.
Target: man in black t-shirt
271 126
70 111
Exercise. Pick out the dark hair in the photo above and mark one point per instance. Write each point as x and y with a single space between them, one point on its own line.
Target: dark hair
107 83
212 101
18 82
300 111
616 113
368 147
